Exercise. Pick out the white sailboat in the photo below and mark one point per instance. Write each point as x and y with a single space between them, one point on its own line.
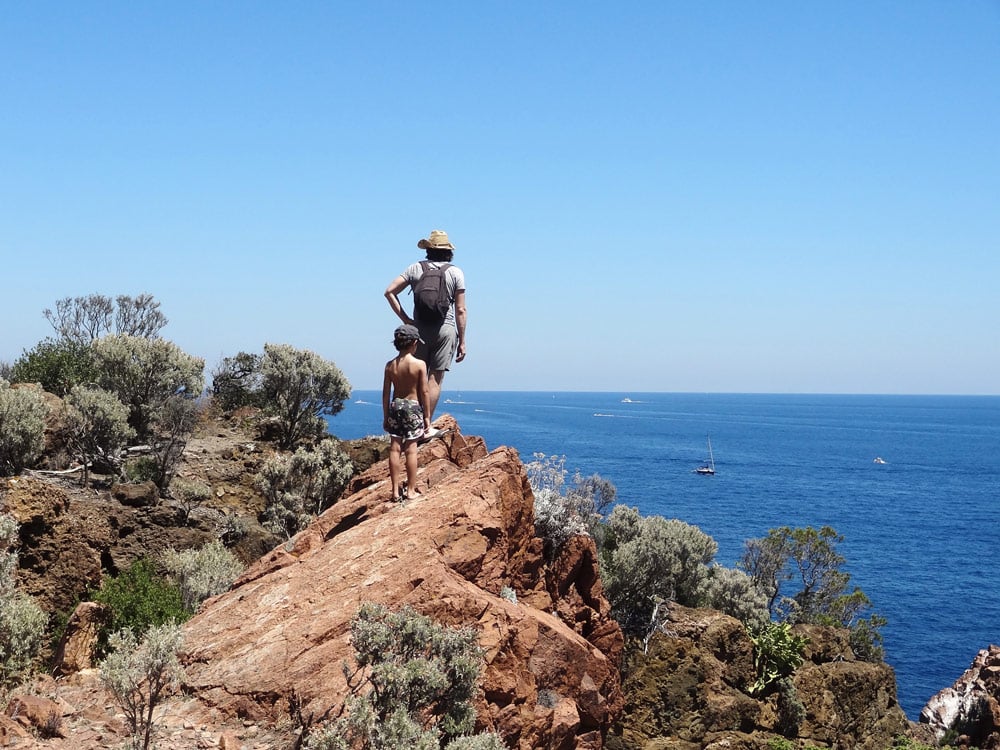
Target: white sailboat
709 466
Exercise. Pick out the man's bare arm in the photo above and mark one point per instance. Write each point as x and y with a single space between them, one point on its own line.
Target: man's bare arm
461 317
392 294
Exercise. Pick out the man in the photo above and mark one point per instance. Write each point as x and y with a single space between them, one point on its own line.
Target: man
443 340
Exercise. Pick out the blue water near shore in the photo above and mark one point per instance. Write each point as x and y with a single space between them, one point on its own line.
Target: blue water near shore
920 530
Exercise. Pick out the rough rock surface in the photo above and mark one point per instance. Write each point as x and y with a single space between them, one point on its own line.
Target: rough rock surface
690 691
281 635
970 707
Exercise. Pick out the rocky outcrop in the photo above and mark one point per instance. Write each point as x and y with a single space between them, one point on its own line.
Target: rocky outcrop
971 707
690 691
282 634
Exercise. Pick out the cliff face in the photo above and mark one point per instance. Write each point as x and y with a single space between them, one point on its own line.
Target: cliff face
971 707
283 632
689 691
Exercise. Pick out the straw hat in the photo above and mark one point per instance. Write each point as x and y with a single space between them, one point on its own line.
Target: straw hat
437 241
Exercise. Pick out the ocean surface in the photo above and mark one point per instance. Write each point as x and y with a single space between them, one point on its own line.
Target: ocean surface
921 529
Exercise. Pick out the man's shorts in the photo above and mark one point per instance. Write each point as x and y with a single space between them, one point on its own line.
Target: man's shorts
440 347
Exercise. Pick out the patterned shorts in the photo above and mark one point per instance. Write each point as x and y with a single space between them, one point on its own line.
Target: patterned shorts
406 419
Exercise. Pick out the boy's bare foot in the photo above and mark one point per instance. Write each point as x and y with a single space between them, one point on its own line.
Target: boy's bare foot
414 495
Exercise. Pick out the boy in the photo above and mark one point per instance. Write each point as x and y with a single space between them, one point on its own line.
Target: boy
406 416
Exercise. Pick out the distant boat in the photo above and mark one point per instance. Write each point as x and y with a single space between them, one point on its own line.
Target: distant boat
878 460
709 466
627 400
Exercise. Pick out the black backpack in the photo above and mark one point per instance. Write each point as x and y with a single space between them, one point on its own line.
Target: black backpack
431 300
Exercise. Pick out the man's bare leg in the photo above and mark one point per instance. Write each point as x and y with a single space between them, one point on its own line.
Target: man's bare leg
434 379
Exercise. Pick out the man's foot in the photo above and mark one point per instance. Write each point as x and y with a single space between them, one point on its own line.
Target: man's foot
432 433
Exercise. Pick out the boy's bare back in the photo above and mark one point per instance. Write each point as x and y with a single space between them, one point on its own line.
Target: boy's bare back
408 376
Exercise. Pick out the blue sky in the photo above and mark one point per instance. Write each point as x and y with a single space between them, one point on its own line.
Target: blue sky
644 196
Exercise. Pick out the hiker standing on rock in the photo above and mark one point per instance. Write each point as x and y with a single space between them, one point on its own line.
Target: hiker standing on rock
439 311
406 413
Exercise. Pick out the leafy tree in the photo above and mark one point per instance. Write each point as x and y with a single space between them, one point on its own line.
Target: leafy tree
56 364
85 319
237 382
298 387
203 572
300 486
139 672
413 687
144 373
645 559
22 621
97 427
22 427
799 570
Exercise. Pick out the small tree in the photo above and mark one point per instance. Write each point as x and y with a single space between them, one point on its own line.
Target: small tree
85 319
237 382
203 572
300 486
799 570
413 686
97 428
55 364
189 494
144 373
22 427
22 621
139 673
298 388
173 424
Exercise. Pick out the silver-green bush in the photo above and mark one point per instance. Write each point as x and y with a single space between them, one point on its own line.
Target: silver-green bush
139 673
144 373
202 573
414 686
189 494
22 621
298 388
562 509
97 427
646 558
22 427
732 591
300 486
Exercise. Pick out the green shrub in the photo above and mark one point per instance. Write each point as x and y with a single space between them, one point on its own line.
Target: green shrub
643 559
414 686
56 364
777 653
139 672
22 621
300 486
203 572
139 599
22 427
173 423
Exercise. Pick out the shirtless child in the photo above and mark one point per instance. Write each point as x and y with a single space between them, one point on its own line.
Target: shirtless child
406 412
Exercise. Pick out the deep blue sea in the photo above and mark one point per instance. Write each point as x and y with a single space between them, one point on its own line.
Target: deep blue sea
921 530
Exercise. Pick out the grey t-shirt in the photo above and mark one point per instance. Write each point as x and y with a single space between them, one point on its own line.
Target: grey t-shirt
454 278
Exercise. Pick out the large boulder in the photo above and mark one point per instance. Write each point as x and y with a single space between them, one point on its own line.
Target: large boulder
280 637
